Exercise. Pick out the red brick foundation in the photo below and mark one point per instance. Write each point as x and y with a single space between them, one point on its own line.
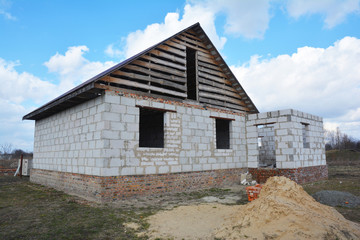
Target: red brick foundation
7 171
299 175
122 187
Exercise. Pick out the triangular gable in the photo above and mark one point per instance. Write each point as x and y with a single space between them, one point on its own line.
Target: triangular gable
162 70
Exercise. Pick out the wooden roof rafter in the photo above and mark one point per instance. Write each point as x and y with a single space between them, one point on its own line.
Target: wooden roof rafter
151 66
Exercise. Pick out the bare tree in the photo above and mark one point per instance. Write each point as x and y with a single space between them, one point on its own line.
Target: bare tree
6 148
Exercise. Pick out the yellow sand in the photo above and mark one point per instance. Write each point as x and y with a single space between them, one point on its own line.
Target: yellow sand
283 211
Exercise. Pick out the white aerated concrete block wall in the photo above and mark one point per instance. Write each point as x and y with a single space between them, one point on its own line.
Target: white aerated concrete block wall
72 140
289 136
189 140
101 137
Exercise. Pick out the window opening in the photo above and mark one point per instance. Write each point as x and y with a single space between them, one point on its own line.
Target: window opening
266 146
151 128
191 72
222 133
305 135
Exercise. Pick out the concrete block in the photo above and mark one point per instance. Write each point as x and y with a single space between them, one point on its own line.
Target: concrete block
112 99
118 108
285 112
127 101
116 162
128 171
127 135
109 134
132 110
164 169
129 118
287 165
251 117
252 164
176 168
186 168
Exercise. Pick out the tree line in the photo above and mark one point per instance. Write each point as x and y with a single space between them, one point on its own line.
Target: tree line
335 139
7 152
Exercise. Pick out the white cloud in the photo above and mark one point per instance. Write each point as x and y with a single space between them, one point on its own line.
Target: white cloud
111 51
7 15
20 91
139 40
4 6
321 81
73 68
335 11
12 129
248 18
17 87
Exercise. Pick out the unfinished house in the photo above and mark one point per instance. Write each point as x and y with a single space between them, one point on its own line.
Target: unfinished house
171 118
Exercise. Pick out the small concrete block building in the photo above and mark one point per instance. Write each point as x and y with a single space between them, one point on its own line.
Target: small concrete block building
169 119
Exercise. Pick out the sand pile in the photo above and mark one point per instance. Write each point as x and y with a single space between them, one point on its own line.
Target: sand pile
284 210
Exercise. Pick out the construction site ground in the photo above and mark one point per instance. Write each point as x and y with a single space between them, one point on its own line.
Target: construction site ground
30 211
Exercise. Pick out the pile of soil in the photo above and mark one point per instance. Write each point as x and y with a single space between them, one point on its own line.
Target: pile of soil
337 198
285 211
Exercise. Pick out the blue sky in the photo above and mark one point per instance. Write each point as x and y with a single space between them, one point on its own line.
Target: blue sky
299 54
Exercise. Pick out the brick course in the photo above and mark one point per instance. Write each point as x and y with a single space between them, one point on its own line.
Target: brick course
7 171
106 189
299 175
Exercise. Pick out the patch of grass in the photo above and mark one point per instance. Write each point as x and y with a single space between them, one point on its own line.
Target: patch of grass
30 211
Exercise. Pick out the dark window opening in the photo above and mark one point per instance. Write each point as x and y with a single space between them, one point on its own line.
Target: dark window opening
191 72
222 134
151 128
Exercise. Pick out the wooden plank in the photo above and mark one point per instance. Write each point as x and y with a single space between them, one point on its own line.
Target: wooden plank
168 56
188 40
43 111
190 31
172 50
157 109
155 74
187 34
218 79
189 45
217 73
152 95
206 54
222 98
207 65
216 103
207 60
219 91
162 62
230 119
142 86
176 45
151 79
215 84
160 68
